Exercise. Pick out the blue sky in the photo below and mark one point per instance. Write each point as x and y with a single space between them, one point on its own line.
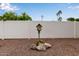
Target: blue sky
48 10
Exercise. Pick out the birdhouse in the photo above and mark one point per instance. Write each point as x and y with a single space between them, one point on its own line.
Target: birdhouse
39 27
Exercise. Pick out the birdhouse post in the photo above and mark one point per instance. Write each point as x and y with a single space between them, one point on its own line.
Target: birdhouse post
39 28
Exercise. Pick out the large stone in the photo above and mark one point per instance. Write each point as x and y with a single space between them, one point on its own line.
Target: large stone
41 47
33 46
47 45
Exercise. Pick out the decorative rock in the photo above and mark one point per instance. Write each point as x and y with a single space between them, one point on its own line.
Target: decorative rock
47 45
33 47
41 47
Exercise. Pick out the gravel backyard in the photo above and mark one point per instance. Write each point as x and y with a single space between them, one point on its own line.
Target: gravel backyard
21 47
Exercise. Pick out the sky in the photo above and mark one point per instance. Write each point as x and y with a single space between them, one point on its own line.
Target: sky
47 10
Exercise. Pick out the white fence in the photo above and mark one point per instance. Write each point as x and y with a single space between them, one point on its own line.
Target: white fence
25 29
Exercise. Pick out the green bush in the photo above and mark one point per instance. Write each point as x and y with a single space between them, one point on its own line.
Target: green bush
12 16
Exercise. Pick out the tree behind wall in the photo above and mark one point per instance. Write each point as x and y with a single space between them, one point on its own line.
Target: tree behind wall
0 17
12 16
73 19
77 19
59 18
24 16
9 16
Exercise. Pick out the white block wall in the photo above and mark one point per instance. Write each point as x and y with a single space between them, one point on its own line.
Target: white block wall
1 29
77 29
25 29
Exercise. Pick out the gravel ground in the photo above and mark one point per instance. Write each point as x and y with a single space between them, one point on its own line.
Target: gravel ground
22 47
